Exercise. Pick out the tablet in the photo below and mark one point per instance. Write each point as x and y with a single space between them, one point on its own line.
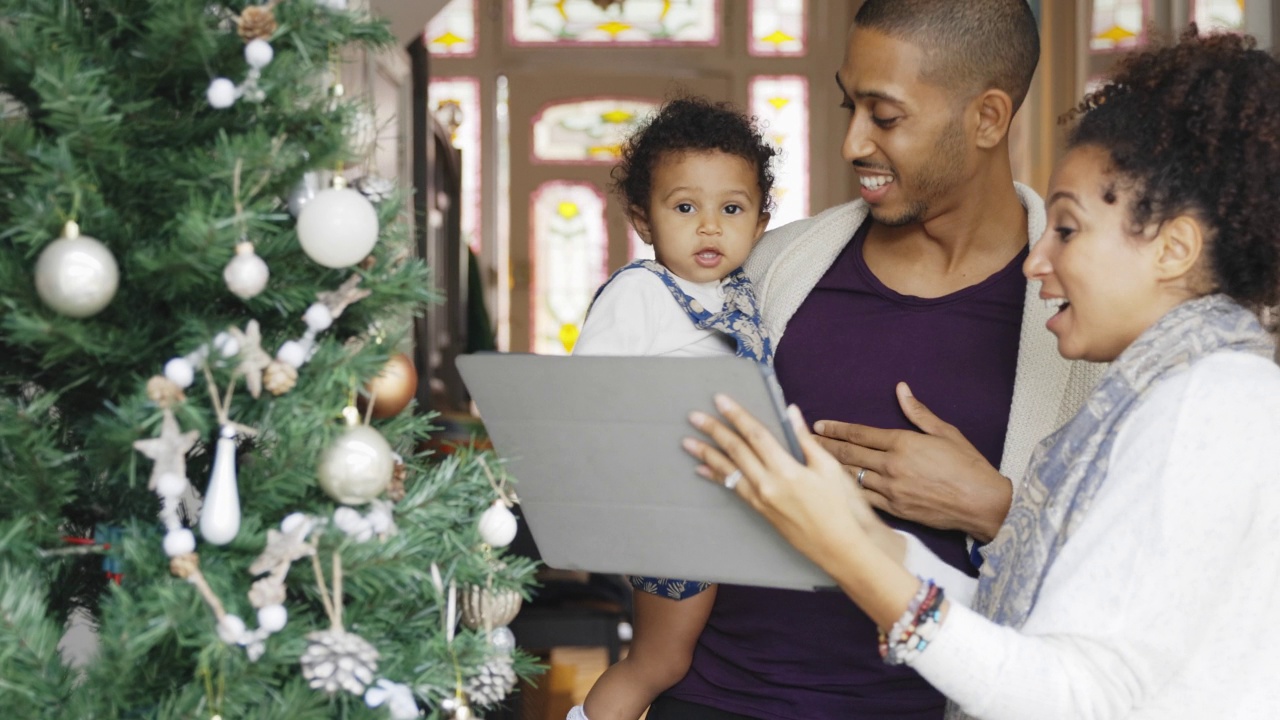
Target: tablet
594 445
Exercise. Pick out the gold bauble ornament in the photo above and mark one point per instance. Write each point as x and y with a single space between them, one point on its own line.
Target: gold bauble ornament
393 389
488 608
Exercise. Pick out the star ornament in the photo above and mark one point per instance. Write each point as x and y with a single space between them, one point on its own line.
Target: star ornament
253 359
346 294
168 450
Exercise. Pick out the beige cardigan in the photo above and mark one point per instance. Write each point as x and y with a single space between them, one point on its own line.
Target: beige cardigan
1047 389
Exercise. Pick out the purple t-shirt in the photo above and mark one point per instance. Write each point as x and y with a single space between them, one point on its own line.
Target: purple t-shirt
770 653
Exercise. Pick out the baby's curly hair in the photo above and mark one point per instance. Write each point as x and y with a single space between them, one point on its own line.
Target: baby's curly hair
1194 127
690 124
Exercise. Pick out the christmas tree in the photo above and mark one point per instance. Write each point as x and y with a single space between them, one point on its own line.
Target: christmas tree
193 452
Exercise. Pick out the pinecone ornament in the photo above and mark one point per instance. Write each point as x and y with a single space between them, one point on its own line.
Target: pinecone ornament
279 377
339 660
376 188
495 681
256 22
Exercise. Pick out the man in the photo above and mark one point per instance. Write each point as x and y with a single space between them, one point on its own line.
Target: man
918 282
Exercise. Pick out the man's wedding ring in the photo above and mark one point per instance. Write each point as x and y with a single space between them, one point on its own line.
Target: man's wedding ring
858 477
731 480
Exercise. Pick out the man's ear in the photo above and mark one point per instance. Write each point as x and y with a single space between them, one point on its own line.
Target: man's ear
1180 243
640 221
762 222
994 110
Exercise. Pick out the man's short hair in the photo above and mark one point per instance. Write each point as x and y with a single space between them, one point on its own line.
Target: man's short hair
970 45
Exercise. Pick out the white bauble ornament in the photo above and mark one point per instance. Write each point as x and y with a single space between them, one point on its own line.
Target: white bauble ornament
76 275
221 94
338 227
258 53
357 467
247 274
231 629
498 525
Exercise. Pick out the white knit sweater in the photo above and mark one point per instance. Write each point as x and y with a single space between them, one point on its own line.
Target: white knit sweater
1047 389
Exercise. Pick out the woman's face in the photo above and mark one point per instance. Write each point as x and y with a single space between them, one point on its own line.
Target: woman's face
1105 281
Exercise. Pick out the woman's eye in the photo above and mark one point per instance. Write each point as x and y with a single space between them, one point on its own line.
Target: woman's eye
1064 233
684 208
885 122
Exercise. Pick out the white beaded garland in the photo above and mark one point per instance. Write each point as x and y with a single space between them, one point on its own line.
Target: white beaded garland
498 525
318 317
180 372
171 486
293 521
230 629
179 542
292 353
338 228
226 345
258 53
222 93
272 618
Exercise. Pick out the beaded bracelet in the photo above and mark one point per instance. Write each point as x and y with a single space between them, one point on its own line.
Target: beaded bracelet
913 632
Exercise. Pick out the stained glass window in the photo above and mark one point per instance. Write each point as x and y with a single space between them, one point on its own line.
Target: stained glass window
777 28
587 131
570 250
455 101
1219 15
614 22
452 32
1118 24
781 105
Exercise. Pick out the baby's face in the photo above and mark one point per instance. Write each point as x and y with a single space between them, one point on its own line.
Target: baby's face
704 215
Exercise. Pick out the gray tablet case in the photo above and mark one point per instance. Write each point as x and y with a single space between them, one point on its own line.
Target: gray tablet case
594 445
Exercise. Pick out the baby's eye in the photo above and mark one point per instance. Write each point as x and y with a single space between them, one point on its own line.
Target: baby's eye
732 209
684 208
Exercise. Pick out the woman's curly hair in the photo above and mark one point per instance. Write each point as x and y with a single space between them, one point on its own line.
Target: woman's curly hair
690 124
1194 127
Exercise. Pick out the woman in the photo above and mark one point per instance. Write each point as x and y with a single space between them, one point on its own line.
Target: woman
1134 574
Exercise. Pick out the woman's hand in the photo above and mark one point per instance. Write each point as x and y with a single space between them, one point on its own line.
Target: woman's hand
817 507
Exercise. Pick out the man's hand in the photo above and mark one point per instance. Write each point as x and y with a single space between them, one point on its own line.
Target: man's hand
934 477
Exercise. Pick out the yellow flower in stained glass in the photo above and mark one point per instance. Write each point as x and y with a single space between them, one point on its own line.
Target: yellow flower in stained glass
613 27
567 210
617 117
778 102
1116 34
777 37
449 39
605 152
569 336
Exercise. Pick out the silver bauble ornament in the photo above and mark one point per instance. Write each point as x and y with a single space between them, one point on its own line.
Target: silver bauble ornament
498 525
76 275
357 467
247 274
338 227
304 192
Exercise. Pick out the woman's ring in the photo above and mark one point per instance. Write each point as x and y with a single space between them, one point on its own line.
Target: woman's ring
858 477
731 480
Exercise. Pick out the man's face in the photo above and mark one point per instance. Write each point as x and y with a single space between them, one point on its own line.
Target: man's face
906 138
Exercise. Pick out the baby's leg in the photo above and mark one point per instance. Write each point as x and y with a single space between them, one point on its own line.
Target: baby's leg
666 632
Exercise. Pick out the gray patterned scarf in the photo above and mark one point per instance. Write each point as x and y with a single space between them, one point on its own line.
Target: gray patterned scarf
1069 466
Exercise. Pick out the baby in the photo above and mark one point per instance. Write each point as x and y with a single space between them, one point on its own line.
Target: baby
696 181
